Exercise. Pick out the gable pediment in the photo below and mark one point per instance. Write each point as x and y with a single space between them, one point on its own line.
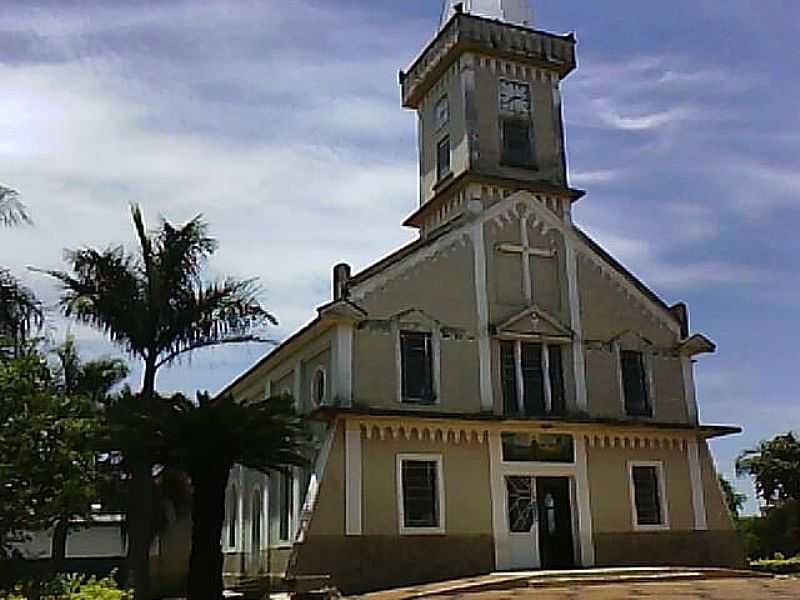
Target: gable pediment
631 340
533 322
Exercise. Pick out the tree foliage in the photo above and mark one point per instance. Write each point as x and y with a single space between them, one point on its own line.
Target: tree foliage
733 499
154 303
21 315
774 466
47 466
205 439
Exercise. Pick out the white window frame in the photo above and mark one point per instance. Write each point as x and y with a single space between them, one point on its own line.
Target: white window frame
312 391
258 492
440 500
436 362
662 493
232 495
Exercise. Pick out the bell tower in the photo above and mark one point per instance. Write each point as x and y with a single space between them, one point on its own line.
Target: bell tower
486 91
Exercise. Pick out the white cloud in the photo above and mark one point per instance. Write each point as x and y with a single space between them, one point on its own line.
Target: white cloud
655 268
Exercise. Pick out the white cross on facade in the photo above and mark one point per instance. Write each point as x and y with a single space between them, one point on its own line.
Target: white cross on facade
526 251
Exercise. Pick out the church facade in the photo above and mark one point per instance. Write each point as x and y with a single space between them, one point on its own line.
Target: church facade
500 393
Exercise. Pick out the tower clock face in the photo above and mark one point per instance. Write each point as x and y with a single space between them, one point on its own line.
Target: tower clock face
514 98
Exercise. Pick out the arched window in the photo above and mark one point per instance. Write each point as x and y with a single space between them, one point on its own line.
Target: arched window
318 384
256 521
233 515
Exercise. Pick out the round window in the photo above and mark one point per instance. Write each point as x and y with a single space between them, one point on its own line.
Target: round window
318 387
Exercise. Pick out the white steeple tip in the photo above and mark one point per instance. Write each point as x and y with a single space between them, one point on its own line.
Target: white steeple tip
511 11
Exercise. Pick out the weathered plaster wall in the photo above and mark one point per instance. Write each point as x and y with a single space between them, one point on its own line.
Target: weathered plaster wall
466 470
609 483
548 156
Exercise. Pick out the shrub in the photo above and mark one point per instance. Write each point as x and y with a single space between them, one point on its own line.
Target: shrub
69 587
777 565
778 531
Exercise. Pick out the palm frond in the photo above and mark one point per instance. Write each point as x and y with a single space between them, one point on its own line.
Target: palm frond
214 314
104 290
21 313
12 210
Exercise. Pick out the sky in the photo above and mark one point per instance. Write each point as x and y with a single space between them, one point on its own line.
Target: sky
281 123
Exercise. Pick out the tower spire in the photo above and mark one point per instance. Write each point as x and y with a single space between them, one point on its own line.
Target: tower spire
511 11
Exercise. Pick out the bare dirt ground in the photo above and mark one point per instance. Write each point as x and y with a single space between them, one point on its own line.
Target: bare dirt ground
739 588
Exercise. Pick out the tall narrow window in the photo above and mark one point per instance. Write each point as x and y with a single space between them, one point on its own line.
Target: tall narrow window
517 143
542 387
416 350
443 158
533 379
647 500
508 366
233 516
556 373
286 503
441 113
420 486
634 384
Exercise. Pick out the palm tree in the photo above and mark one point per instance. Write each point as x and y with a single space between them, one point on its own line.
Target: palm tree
204 440
20 312
12 211
155 305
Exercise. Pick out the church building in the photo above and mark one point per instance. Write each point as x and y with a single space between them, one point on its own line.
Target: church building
500 393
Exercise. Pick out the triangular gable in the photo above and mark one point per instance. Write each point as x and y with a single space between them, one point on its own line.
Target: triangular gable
631 340
696 344
414 316
534 322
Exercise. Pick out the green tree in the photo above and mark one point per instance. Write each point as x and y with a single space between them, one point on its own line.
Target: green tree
155 305
774 466
47 466
81 381
733 499
205 439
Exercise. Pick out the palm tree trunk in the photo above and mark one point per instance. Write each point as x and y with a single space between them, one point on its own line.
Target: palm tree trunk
208 514
140 528
58 548
140 510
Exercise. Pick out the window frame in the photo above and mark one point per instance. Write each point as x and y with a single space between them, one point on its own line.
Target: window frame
662 496
547 380
318 371
442 101
436 346
647 375
232 518
440 494
440 174
505 159
286 501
